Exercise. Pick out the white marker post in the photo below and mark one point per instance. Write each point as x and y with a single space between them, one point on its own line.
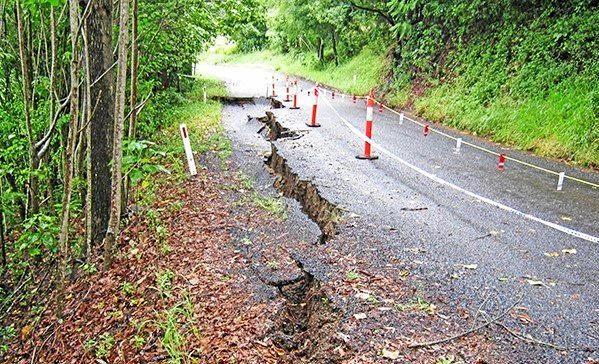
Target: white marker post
458 146
560 180
267 87
188 153
401 118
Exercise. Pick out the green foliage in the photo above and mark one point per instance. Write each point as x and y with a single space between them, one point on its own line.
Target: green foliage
535 87
273 205
140 159
101 347
164 282
352 275
244 23
38 239
328 30
7 333
172 33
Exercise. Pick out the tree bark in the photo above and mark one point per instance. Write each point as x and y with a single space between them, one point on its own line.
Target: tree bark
5 65
133 90
320 50
2 239
99 28
65 251
26 85
87 111
121 84
134 71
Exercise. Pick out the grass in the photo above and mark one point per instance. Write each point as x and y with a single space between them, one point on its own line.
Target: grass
558 125
417 304
275 206
202 120
561 123
175 323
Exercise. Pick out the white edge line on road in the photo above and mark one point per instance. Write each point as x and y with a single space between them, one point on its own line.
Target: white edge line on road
439 180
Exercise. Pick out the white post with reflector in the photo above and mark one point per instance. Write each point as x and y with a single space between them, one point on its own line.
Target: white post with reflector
560 180
188 152
458 146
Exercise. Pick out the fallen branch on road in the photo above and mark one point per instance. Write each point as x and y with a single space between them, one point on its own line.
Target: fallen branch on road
467 332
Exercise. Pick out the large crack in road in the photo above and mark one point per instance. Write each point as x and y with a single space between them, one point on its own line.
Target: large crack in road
395 221
307 324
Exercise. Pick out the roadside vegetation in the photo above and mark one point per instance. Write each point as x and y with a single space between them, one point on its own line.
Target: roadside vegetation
91 97
522 74
126 320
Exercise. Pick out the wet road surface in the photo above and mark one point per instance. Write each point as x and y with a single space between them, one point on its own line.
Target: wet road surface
478 249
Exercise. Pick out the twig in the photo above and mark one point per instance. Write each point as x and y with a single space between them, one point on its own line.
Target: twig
13 298
468 332
532 340
478 311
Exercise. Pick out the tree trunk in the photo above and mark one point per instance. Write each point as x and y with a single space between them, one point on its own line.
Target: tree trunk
87 111
134 72
2 239
101 59
27 104
334 44
320 50
5 65
133 91
65 251
119 111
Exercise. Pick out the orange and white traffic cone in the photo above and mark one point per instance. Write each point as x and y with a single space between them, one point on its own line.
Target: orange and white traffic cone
274 94
369 116
294 107
313 123
501 162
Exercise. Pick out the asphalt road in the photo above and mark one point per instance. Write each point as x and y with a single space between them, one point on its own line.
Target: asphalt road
403 214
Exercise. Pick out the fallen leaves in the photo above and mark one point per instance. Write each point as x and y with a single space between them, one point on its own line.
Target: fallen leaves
390 354
520 313
552 254
360 316
555 254
538 283
363 295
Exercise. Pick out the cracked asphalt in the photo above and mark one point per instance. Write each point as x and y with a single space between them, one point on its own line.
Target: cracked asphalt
478 252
